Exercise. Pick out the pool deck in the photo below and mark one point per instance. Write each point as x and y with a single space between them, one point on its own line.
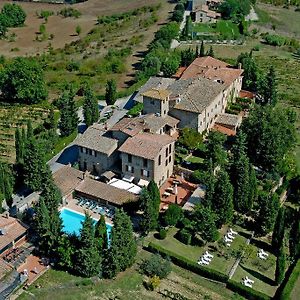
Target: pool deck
71 204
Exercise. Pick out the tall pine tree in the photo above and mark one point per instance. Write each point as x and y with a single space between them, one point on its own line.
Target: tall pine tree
88 259
90 106
68 113
294 242
34 164
101 235
242 176
280 265
223 199
111 92
269 206
123 248
202 50
210 181
278 231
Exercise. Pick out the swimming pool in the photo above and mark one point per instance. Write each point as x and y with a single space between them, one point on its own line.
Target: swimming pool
72 221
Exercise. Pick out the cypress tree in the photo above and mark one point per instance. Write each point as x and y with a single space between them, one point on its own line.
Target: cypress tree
278 231
101 235
34 164
154 192
197 52
202 50
210 185
204 220
29 133
90 106
88 260
111 92
19 146
223 199
271 87
6 184
211 52
294 242
68 114
269 206
280 266
123 248
242 176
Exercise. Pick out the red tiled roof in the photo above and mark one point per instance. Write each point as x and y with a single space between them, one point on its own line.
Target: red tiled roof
67 179
146 145
213 69
246 94
12 228
224 130
179 72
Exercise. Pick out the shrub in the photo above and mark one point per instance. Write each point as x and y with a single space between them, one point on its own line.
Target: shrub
247 292
70 13
153 283
289 286
188 264
135 110
162 233
173 215
156 266
184 236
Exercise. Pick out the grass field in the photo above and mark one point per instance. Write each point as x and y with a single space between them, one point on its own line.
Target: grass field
128 285
222 29
221 262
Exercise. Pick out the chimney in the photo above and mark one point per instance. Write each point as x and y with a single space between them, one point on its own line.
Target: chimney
6 214
240 66
85 175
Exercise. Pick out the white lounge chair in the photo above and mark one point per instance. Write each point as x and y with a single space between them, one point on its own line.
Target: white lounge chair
205 262
206 258
246 283
228 244
227 239
261 256
230 235
232 231
249 280
208 254
263 252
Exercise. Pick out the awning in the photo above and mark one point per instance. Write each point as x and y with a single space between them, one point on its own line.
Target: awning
143 182
108 175
128 178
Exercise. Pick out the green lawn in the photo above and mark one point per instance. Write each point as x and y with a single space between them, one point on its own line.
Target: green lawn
261 271
195 159
223 259
60 285
222 29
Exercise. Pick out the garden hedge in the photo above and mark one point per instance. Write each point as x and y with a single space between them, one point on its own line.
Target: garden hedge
187 264
247 292
290 284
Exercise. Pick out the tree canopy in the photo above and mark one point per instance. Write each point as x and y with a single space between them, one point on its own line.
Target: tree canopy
272 131
22 81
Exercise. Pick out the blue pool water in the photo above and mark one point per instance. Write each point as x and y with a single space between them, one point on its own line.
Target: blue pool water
72 222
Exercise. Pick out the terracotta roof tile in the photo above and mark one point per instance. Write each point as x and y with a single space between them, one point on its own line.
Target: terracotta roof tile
146 145
67 179
13 228
156 93
105 192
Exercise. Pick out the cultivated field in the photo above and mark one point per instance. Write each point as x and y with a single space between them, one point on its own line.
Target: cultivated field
63 29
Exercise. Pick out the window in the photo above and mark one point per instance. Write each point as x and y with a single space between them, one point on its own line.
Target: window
90 152
95 153
129 169
167 151
159 160
145 163
152 102
170 148
145 173
129 158
166 162
170 159
85 165
81 149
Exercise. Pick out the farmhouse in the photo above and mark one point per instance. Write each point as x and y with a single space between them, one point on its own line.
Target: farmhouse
202 11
